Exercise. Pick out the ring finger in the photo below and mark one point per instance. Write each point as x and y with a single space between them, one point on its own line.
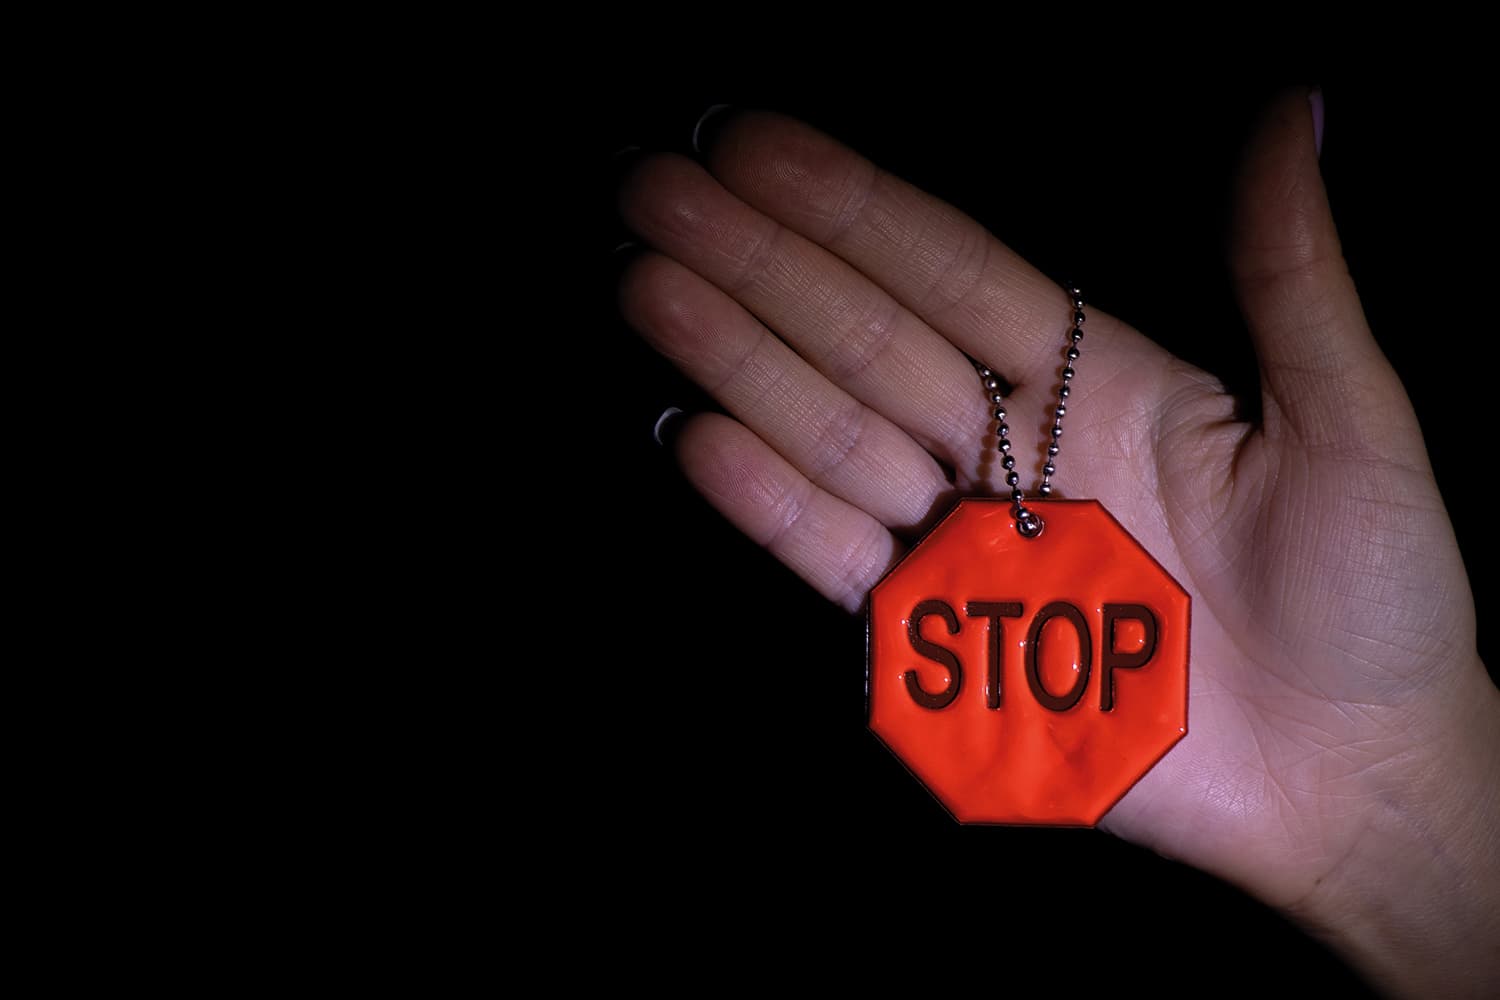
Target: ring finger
833 439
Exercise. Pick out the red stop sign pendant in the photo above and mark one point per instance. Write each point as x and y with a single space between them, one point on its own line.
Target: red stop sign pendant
1028 680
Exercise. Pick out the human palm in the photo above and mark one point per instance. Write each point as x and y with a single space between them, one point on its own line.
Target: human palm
833 309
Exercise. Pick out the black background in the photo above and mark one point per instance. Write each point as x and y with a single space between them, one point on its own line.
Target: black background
758 807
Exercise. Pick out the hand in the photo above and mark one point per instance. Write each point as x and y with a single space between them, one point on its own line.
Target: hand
1342 754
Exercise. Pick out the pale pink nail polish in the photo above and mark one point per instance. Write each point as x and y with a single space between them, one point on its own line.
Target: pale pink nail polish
665 424
1315 98
698 135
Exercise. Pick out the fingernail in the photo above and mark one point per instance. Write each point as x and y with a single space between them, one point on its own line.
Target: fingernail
706 128
622 161
667 425
1315 98
621 256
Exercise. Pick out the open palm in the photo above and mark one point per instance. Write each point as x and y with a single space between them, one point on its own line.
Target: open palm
833 309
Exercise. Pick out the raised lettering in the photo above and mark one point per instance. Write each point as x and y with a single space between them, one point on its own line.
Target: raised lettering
1058 609
994 611
1111 661
935 653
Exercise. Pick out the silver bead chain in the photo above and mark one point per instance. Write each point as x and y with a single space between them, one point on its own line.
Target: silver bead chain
1028 523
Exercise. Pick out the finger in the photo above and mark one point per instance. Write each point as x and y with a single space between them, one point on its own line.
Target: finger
839 549
832 439
1324 380
843 325
933 259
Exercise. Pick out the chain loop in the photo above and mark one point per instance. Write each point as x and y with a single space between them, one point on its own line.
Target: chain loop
1028 522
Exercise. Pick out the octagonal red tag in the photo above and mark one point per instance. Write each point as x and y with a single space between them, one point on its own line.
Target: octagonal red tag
1028 680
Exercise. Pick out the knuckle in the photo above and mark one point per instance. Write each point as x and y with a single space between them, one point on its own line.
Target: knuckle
842 208
959 274
862 563
752 256
836 440
863 343
789 510
1294 266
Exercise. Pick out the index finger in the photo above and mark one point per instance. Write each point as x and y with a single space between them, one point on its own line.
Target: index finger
929 256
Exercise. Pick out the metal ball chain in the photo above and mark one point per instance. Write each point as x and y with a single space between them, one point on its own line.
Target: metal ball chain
1028 523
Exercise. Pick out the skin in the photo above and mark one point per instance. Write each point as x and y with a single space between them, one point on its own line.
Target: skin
1344 754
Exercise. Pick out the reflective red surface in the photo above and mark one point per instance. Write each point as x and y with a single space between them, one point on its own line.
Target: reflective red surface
1091 686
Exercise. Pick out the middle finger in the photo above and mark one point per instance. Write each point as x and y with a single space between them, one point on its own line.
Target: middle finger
842 323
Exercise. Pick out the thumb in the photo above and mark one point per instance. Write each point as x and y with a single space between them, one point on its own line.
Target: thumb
1324 381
